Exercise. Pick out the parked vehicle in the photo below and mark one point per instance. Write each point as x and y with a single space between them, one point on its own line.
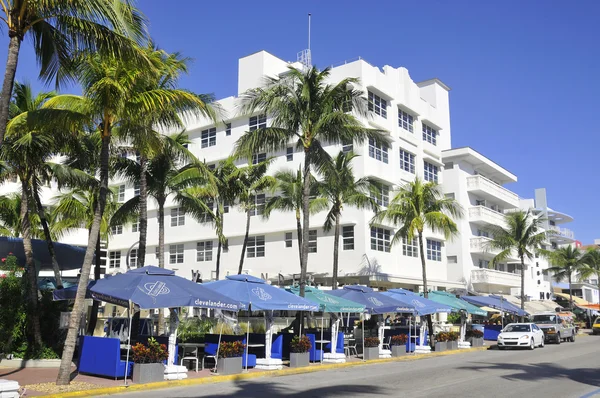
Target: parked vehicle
557 327
524 335
596 326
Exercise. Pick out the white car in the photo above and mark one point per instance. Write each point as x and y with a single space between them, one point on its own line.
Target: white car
521 335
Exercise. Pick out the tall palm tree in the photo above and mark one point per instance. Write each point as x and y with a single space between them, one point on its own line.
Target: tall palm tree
287 196
307 112
591 259
566 263
10 217
340 188
419 205
58 28
253 181
523 235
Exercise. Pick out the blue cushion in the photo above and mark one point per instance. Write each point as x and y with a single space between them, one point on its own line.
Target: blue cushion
251 360
102 356
314 354
277 348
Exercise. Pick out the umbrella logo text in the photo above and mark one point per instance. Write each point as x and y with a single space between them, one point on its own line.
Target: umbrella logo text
329 300
155 289
375 301
261 294
417 303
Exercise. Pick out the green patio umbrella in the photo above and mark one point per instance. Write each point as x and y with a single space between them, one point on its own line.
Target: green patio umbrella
455 302
327 302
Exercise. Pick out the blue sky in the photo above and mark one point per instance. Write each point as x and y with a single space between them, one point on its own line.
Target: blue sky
524 74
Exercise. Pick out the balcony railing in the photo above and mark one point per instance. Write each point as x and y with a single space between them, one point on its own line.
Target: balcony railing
480 183
480 245
562 232
486 215
494 277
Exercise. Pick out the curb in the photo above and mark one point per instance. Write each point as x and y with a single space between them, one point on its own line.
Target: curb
257 375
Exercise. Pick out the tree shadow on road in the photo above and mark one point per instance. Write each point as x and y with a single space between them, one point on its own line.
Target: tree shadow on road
268 388
541 371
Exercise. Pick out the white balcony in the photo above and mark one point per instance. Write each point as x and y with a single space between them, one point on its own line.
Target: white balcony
480 245
482 215
561 235
493 279
490 190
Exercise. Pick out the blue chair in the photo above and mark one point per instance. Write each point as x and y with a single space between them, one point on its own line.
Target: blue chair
102 356
339 349
251 357
314 354
277 348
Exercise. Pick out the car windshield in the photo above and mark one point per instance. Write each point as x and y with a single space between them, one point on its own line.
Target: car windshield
517 328
544 319
597 320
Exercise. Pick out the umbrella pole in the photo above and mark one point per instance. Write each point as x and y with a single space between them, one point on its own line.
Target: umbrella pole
363 336
219 346
322 326
128 344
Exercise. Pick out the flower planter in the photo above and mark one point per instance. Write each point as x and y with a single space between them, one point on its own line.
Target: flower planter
229 366
299 359
148 372
477 342
371 353
441 346
398 350
452 345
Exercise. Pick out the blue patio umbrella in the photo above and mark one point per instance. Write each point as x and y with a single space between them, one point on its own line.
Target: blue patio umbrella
455 302
421 305
495 302
68 256
374 302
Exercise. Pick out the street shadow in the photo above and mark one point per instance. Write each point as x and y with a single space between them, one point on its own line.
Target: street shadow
268 388
11 372
540 372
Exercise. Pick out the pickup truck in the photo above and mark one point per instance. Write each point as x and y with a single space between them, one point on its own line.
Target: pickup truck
556 327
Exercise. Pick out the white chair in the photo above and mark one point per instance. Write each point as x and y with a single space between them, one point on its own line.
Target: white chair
386 346
349 346
191 354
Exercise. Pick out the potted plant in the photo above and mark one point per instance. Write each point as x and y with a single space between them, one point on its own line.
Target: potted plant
148 362
440 341
230 358
398 345
299 352
371 348
475 337
452 343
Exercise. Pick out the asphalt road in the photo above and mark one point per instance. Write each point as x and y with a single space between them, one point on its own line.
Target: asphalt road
567 370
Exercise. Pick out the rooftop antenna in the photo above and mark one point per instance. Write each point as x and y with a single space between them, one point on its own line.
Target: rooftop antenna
304 56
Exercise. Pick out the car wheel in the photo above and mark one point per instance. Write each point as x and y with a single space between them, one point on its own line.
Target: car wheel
542 343
558 339
572 338
532 344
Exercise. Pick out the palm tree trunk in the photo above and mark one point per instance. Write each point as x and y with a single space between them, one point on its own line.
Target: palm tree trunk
522 286
336 244
143 220
299 232
245 242
32 313
161 256
64 371
44 222
306 222
220 239
570 294
95 304
425 287
218 266
14 46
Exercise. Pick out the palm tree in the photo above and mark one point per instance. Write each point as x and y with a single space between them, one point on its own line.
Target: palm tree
416 206
340 188
566 262
592 265
287 196
523 235
58 28
308 112
10 219
253 180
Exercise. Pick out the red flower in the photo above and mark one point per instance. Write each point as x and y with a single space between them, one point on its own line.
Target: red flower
3 259
10 253
3 276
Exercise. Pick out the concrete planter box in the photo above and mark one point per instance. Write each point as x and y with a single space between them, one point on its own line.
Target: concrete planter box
371 353
398 350
452 345
30 363
441 346
229 366
476 341
299 359
148 372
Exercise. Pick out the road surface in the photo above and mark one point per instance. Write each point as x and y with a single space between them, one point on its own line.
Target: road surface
566 370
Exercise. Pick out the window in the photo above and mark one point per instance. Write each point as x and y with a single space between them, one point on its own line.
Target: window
288 239
258 158
484 264
380 239
448 166
121 193
378 151
133 258
434 250
227 128
204 251
209 137
205 216
348 237
452 259
514 268
114 259
135 227
312 241
289 154
226 246
429 134
177 217
378 105
156 252
136 189
450 195
405 120
225 207
410 249
481 232
347 147
407 161
116 229
430 172
381 194
176 254
259 204
258 122
256 246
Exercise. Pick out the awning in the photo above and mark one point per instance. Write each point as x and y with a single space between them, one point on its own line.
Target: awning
489 309
455 302
576 300
68 256
495 302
